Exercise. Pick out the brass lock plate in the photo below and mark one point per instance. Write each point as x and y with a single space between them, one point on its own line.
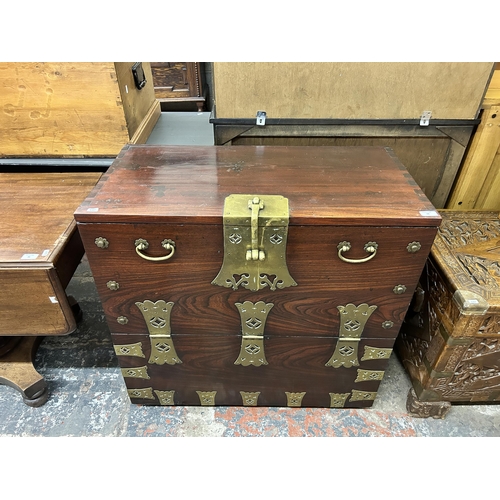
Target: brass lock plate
255 236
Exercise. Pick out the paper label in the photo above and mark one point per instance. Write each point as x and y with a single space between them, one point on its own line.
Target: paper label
29 256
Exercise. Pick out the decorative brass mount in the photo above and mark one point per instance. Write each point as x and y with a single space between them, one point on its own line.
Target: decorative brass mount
166 398
129 350
253 320
207 398
255 236
249 398
146 393
352 323
157 318
135 372
294 399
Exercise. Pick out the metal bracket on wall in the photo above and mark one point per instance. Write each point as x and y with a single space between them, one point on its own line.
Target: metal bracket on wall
261 118
425 118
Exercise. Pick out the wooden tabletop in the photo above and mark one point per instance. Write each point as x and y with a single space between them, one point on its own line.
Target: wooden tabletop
324 185
36 213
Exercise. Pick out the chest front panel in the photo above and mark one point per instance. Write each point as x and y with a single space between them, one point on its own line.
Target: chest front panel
324 281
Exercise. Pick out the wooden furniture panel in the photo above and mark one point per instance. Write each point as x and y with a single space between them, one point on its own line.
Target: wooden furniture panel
73 109
352 192
179 85
449 341
478 183
350 90
308 309
351 104
32 302
298 364
40 252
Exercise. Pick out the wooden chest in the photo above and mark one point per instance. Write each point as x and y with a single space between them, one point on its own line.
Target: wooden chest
270 276
450 340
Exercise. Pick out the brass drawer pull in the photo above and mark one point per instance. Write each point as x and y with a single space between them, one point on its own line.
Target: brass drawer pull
141 245
370 247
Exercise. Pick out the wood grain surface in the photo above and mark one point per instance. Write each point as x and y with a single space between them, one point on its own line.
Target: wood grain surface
68 109
324 281
350 90
294 365
325 185
37 213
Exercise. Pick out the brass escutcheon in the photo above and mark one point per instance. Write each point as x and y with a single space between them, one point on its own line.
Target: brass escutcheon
249 398
166 398
255 235
294 399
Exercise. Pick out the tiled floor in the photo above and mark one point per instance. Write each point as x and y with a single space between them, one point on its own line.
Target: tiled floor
183 128
88 396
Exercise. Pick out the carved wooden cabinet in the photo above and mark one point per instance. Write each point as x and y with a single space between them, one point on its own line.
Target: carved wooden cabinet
267 276
450 340
179 85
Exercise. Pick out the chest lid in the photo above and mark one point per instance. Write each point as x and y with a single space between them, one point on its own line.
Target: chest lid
362 186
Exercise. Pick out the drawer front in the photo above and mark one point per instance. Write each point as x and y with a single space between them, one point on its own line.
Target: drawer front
324 281
207 373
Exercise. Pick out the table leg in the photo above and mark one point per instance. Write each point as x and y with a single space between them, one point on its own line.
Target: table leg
17 370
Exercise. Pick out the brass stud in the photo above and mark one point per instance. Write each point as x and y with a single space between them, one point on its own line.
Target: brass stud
123 320
101 242
112 285
387 324
399 289
414 246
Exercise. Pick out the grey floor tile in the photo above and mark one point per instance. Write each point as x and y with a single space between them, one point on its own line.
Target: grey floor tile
183 128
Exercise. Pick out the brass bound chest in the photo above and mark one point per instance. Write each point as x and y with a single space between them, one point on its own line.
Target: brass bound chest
255 276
